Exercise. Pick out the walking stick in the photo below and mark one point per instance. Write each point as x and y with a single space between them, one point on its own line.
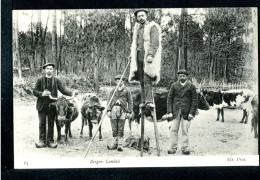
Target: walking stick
156 129
105 111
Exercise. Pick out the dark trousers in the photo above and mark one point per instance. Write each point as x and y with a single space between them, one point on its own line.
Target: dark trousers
144 77
46 114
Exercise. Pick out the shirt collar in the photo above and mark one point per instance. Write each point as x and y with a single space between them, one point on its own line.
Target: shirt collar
183 84
48 76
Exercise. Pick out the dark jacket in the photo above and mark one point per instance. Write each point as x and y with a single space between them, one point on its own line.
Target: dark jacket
182 98
40 87
125 98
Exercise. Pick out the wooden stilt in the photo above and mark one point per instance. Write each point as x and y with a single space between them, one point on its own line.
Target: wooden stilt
156 129
142 119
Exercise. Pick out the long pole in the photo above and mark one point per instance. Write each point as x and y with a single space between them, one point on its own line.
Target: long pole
156 129
105 111
142 119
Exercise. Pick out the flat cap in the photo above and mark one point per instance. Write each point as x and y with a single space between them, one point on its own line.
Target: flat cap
119 76
183 71
139 10
48 64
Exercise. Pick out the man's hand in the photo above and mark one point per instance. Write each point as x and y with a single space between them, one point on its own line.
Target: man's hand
149 59
46 93
128 115
109 114
169 115
190 117
75 92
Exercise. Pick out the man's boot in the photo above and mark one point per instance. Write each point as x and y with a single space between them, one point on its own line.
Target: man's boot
52 145
120 144
113 146
40 144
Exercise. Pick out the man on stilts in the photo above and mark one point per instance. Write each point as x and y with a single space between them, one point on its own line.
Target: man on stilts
145 55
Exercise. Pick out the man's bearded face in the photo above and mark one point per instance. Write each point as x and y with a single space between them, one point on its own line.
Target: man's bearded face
183 78
141 17
49 70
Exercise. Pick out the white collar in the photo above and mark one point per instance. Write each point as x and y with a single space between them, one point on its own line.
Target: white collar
183 84
48 76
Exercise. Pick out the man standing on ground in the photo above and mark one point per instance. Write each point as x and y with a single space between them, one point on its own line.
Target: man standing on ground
145 54
46 86
118 111
181 108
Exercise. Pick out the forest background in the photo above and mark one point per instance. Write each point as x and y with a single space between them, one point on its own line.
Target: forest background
90 47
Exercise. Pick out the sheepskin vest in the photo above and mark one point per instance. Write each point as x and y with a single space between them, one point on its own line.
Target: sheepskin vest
151 69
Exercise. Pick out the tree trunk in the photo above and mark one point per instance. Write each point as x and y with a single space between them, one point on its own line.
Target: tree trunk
32 62
96 69
180 40
225 70
185 54
131 26
214 69
18 55
115 54
38 42
210 55
60 46
54 40
42 53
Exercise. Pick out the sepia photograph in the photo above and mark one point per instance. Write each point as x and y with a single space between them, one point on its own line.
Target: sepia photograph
143 87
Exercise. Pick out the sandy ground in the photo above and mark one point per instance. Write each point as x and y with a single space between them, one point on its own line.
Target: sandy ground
207 136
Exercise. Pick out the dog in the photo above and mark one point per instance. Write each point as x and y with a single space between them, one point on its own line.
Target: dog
134 142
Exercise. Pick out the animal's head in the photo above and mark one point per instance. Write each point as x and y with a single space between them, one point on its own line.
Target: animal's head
91 108
208 96
202 103
94 112
62 110
204 92
147 110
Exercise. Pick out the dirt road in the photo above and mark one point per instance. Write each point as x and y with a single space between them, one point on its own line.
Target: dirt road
207 136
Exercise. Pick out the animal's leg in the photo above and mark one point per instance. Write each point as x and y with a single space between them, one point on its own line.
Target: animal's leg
138 119
244 115
130 127
222 114
82 126
66 133
70 135
100 133
218 112
90 127
149 151
256 129
58 131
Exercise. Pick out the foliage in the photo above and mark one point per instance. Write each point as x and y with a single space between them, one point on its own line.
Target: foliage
95 45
